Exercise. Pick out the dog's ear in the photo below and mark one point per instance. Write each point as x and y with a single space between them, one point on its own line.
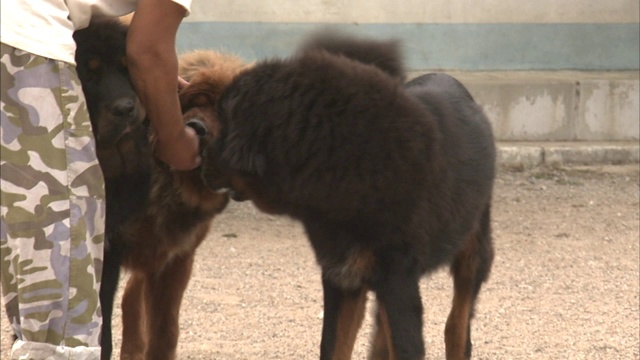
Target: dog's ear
238 145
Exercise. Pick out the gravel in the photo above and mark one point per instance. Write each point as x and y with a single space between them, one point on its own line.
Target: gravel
565 281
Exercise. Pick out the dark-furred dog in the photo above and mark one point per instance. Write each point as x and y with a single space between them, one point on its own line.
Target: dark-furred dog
156 218
390 181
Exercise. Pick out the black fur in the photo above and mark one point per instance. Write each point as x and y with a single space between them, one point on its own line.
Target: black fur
389 181
385 55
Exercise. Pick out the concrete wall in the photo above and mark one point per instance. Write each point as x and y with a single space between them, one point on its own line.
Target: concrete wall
485 35
416 11
558 106
557 70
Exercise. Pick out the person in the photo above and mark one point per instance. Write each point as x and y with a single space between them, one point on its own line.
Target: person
51 187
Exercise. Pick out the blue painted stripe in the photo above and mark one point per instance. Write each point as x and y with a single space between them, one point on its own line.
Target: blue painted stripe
473 47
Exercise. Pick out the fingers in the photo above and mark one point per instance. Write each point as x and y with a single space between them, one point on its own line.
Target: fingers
182 83
181 152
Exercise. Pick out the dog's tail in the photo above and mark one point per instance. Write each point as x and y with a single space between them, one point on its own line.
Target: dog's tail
385 55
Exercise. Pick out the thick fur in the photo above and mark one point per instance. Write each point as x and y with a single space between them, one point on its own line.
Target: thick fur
390 181
121 133
385 55
156 218
202 62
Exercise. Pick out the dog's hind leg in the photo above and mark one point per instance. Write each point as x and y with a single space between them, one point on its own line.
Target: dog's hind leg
133 319
399 307
163 300
470 268
343 314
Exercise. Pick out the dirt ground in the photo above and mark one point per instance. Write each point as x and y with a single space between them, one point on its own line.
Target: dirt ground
565 282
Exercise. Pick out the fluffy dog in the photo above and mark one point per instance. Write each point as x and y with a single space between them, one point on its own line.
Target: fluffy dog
390 181
156 218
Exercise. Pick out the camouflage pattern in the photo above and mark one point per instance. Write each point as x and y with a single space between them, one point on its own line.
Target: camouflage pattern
52 209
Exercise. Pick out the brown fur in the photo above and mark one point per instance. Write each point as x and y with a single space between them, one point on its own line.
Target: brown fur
156 218
213 62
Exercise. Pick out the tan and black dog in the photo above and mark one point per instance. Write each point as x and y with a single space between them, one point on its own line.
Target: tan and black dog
390 181
156 218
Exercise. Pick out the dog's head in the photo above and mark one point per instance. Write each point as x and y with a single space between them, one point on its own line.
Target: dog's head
208 74
117 116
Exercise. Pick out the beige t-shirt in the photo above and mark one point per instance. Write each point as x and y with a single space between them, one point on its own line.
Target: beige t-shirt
49 31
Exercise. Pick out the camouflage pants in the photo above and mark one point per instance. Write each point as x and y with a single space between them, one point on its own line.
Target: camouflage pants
52 210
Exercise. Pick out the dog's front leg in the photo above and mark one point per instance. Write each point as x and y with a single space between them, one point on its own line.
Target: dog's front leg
108 289
343 314
133 319
166 289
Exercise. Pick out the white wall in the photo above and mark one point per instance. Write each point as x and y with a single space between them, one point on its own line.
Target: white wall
417 11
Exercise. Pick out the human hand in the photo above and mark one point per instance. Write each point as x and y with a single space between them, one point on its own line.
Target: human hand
181 150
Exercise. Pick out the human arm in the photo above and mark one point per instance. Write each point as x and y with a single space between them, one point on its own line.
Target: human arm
153 65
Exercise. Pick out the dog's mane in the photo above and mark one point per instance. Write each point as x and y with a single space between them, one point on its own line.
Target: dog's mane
299 95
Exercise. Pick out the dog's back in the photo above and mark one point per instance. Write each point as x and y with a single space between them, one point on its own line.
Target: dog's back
461 122
467 150
444 84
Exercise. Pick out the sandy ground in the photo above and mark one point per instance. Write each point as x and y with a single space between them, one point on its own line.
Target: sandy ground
565 282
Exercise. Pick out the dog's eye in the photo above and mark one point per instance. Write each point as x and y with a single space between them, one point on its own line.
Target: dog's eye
90 69
94 64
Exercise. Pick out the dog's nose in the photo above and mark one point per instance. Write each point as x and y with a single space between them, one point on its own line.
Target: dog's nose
124 107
